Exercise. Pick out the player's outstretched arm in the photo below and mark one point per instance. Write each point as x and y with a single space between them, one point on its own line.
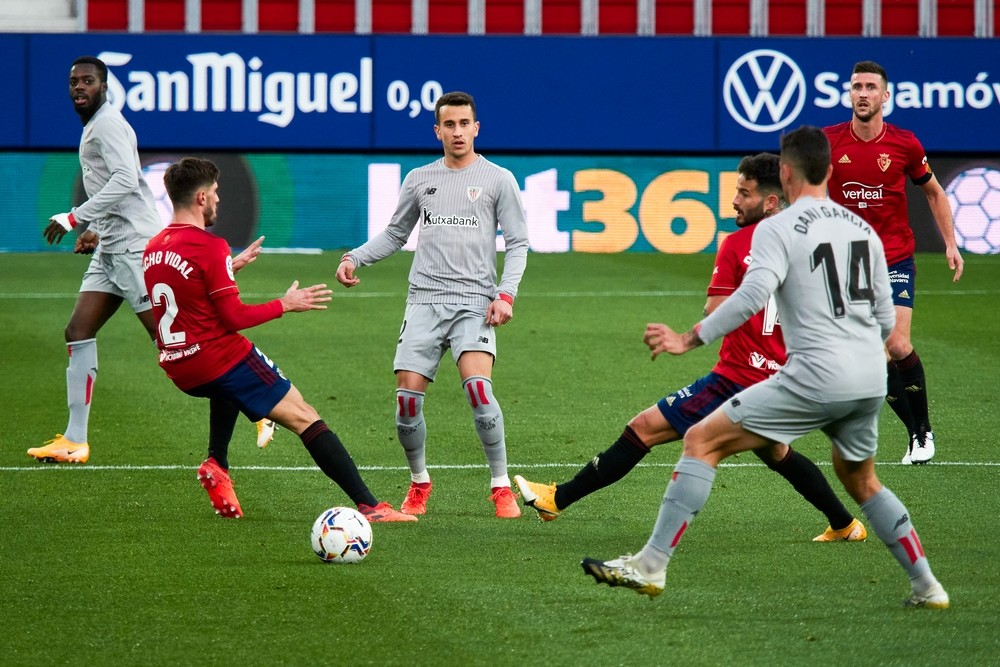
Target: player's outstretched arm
248 255
660 338
297 300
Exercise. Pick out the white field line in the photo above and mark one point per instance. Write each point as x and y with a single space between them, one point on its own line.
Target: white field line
529 295
38 467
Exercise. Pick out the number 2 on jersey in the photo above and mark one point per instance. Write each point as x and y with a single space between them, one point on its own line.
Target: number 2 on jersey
164 296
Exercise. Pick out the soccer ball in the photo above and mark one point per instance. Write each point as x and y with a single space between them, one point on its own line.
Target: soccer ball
974 196
341 535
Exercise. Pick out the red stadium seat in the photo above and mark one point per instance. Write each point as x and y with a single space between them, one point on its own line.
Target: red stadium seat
957 18
107 15
278 15
561 17
617 17
900 17
392 16
221 15
843 18
731 17
164 15
674 17
504 17
334 16
786 17
447 17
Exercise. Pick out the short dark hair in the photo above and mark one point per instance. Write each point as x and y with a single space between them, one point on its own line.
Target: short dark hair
765 169
871 67
185 177
102 69
454 99
807 150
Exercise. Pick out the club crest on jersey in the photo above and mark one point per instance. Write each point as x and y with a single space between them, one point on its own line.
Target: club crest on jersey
473 192
884 161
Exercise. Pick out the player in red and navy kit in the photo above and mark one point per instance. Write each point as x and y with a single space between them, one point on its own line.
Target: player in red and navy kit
189 276
871 161
748 355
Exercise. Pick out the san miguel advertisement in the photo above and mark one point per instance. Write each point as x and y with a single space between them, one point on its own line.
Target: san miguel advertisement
535 94
618 143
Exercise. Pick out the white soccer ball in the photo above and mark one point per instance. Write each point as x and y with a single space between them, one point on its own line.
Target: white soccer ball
341 535
974 196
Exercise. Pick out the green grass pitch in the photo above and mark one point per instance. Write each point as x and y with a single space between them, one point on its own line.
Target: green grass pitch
122 561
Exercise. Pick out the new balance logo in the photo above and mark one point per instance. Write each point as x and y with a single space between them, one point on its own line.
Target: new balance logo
735 402
484 339
844 159
430 191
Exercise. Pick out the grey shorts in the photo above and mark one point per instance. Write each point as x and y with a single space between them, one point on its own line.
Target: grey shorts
771 410
430 329
120 275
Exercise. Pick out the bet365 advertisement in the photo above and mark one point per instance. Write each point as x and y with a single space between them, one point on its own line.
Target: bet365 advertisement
597 204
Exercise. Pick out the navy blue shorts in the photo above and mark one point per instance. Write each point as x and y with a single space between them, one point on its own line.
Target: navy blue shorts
255 385
903 281
686 407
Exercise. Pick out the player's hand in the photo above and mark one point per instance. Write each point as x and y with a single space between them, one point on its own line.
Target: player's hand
660 338
248 255
955 262
345 273
86 243
58 226
499 312
307 298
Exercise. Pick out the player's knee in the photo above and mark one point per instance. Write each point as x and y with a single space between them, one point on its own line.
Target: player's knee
773 455
485 409
479 392
409 408
653 429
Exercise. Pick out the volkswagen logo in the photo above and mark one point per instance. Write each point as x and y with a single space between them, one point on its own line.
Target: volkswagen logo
764 90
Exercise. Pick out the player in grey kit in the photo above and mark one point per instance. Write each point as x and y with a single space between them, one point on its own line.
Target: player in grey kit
114 224
460 201
826 268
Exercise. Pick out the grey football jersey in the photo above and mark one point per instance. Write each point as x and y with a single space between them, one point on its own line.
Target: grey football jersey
459 211
828 272
119 206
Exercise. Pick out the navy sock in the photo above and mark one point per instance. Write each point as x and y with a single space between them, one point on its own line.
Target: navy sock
896 397
603 470
807 479
332 458
222 416
914 384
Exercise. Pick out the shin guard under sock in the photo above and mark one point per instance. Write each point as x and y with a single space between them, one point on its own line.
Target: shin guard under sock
603 470
332 458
